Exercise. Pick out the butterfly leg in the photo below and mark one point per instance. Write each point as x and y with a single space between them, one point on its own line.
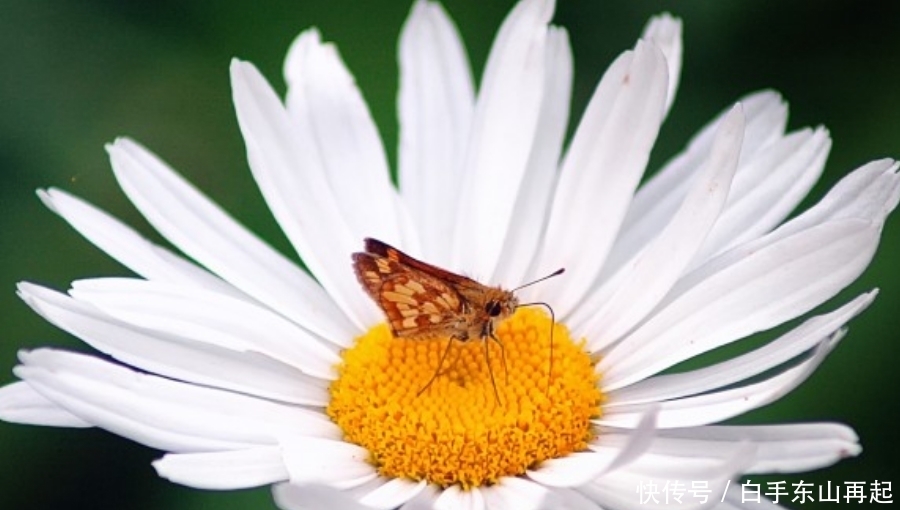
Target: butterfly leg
487 361
437 372
502 355
452 364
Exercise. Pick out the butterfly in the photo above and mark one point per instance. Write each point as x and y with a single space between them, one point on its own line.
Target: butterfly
423 301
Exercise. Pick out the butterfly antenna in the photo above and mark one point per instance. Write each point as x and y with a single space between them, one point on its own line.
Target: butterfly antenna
552 317
552 327
551 275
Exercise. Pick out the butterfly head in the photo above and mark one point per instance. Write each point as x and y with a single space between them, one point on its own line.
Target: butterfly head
500 304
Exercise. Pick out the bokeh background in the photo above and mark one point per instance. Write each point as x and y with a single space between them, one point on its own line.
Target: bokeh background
75 75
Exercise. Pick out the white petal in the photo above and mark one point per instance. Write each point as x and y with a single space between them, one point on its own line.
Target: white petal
211 318
779 351
780 448
454 498
289 496
579 468
869 192
514 493
720 405
665 32
530 213
333 121
435 106
19 403
217 365
424 500
393 493
655 202
574 469
568 499
328 461
202 230
863 198
640 285
127 246
228 470
620 489
735 499
161 413
767 188
503 130
600 171
293 183
683 463
771 284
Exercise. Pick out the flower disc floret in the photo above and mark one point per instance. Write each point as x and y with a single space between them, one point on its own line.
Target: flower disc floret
457 431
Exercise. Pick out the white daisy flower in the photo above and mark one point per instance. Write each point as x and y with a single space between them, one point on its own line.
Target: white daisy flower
250 371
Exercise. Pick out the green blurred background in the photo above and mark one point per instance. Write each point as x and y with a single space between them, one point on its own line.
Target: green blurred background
77 74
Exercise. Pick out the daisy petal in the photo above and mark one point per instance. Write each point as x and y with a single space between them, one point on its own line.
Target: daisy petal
736 499
435 107
393 493
19 403
289 496
333 122
621 489
228 470
329 461
721 405
454 498
792 344
202 230
632 446
641 284
530 213
665 32
293 183
869 193
780 448
579 468
568 499
129 248
600 171
209 317
768 187
161 413
513 493
657 200
217 365
424 500
843 228
770 285
574 469
503 129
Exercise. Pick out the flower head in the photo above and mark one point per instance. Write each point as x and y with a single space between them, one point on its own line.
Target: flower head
248 370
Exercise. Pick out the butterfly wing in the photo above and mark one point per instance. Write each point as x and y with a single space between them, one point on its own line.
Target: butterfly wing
381 249
417 304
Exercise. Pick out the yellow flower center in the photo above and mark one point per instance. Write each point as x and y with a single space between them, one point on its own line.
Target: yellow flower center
456 431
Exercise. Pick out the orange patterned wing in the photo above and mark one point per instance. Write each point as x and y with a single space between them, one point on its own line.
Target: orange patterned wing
381 249
417 304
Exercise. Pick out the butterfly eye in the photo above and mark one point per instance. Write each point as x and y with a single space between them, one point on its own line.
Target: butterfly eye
492 308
